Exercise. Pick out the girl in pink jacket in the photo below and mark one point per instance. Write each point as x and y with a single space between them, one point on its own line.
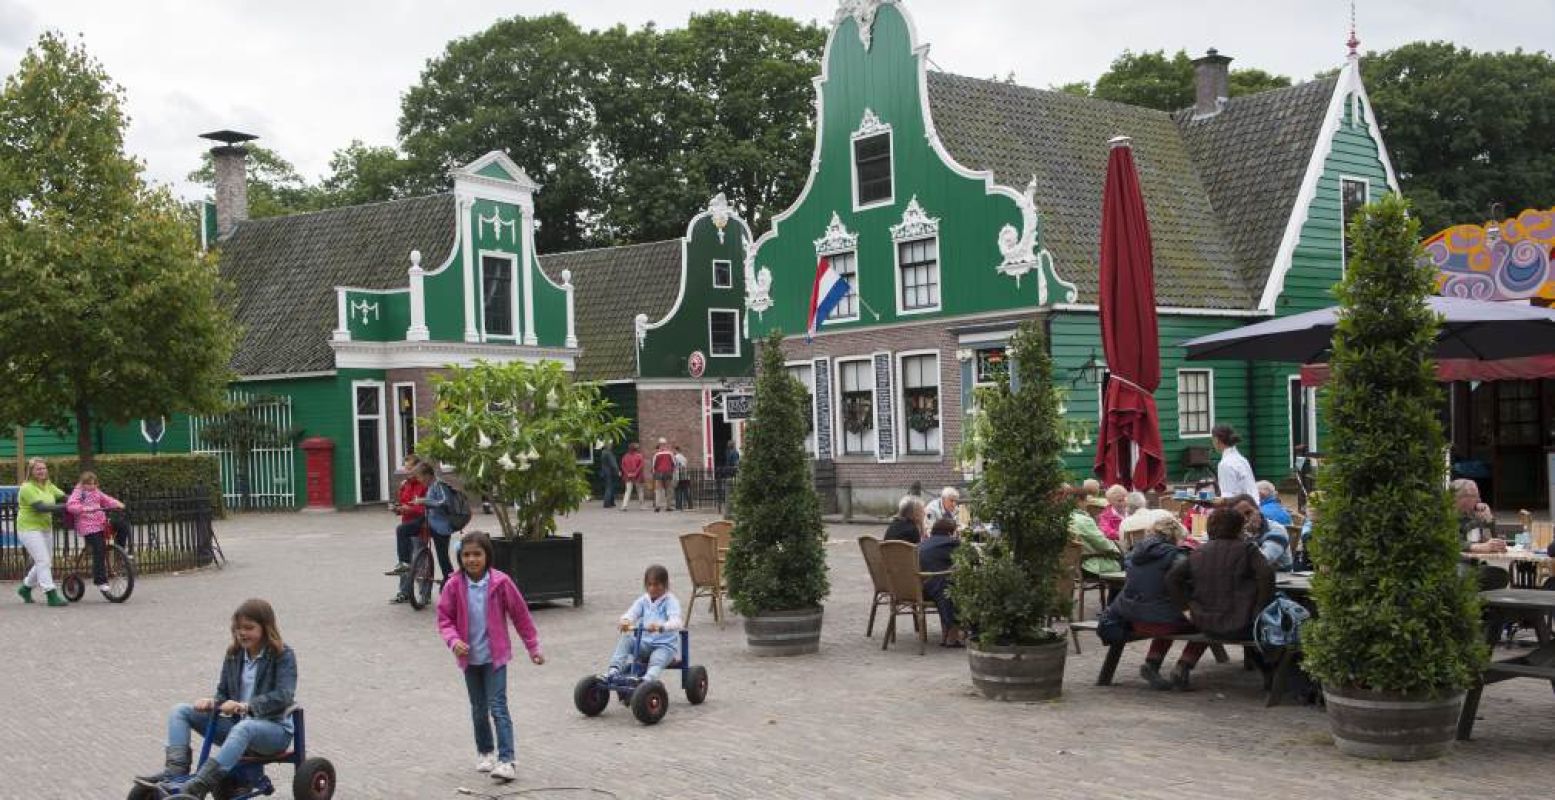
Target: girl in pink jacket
472 616
88 503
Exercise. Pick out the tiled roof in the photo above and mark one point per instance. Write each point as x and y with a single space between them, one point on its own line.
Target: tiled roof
614 285
1252 157
285 270
1017 132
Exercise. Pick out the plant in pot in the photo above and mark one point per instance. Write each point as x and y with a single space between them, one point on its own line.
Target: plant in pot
776 567
512 432
1397 638
1007 593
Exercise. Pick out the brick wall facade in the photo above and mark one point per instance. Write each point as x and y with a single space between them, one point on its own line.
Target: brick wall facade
674 414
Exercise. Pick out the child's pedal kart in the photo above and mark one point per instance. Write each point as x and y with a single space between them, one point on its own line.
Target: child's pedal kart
313 780
648 699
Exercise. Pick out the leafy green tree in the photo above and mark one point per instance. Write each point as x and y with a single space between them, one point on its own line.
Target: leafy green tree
1466 129
108 312
777 560
1394 614
1008 593
1153 80
512 432
360 173
275 188
241 429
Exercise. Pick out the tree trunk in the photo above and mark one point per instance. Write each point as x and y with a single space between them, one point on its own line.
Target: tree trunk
84 435
503 520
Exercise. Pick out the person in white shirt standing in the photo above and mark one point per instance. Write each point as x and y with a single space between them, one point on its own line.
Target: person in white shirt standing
1234 476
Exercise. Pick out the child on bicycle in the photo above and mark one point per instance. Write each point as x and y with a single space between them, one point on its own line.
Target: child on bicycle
258 682
88 503
473 615
659 613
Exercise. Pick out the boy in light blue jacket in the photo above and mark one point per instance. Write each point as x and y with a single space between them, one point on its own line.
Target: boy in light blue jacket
659 613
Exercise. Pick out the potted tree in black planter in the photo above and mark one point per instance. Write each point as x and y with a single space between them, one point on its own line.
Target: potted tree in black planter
1397 638
512 433
776 566
1007 593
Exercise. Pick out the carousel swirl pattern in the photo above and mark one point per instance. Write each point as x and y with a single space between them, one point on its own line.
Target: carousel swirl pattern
1520 264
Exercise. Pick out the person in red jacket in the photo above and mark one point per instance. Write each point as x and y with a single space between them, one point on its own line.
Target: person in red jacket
663 476
411 514
632 476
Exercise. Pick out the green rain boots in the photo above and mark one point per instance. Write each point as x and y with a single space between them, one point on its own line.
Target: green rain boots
25 592
55 599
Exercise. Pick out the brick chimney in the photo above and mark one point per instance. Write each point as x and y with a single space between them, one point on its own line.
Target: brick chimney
1211 83
230 159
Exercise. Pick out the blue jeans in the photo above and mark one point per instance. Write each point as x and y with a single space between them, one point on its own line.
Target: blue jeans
610 489
404 536
235 737
659 655
488 688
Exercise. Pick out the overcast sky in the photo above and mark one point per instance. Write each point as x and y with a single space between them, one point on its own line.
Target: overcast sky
308 77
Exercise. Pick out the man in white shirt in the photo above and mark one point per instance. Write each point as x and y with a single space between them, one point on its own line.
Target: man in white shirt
943 508
1235 475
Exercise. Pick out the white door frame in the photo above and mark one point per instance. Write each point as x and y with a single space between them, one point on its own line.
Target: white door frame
356 440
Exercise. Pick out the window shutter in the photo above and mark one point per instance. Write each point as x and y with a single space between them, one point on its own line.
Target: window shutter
885 410
823 416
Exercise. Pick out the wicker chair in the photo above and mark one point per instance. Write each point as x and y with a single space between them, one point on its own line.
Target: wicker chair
701 550
870 547
900 560
1068 584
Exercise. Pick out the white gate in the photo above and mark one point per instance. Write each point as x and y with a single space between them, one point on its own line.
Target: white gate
271 474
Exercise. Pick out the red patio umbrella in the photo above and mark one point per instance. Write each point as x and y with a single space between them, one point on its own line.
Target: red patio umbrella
1128 449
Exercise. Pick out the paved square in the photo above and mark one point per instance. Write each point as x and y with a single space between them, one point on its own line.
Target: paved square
84 693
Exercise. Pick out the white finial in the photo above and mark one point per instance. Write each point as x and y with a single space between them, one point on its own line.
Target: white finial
415 259
1354 42
566 277
1121 141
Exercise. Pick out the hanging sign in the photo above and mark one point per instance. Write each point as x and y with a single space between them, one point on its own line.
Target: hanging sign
152 430
738 406
696 364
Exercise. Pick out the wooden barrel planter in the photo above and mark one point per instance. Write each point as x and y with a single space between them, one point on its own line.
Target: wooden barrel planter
1390 726
784 633
1019 673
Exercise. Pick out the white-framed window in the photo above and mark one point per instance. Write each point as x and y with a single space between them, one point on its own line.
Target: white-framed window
499 295
920 380
1302 422
723 274
369 438
804 372
989 363
1195 403
846 265
405 420
1354 193
872 176
723 332
856 407
917 275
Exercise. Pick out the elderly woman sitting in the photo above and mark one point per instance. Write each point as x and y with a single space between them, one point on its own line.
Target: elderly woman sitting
1100 553
935 555
907 525
1112 516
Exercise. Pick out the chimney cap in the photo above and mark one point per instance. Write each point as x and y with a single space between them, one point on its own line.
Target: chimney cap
228 137
1211 56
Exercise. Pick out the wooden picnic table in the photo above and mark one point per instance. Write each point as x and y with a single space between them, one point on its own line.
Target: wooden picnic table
1288 582
1507 605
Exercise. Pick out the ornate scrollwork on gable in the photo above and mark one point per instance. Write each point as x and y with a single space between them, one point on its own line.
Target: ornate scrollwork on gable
364 309
837 238
863 12
718 208
870 125
915 224
497 223
758 283
1022 252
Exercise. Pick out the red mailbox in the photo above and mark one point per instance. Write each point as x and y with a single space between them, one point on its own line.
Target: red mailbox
321 472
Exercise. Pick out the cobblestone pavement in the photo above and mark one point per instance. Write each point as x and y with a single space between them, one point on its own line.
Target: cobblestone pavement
85 691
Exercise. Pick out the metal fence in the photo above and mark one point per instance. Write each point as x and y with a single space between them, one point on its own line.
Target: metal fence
168 531
271 474
710 489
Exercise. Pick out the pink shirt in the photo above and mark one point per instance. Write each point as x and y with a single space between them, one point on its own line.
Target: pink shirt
503 602
1109 521
88 505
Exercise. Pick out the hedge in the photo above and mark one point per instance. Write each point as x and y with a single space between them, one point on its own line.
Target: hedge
142 475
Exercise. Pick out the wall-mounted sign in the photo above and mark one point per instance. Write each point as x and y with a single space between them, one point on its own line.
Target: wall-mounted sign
738 406
152 430
696 364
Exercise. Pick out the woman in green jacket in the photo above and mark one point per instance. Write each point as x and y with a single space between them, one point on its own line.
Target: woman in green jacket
1101 554
36 501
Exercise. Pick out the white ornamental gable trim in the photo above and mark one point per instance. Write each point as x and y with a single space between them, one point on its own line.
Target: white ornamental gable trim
863 13
497 224
1022 254
870 125
718 209
837 238
758 283
915 224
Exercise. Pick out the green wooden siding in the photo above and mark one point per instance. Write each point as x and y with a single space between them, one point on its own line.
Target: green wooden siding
385 318
666 348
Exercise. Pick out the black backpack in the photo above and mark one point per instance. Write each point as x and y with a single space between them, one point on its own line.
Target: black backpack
457 508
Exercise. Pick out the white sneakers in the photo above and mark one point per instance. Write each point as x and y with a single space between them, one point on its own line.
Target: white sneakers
104 588
487 762
503 772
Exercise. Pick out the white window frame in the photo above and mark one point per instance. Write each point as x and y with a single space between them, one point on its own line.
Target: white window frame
710 351
399 426
1344 257
729 284
883 130
356 440
939 273
1211 427
858 291
1309 401
789 366
903 434
839 433
480 289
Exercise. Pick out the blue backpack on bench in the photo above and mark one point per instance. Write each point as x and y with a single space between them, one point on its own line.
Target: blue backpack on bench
1279 624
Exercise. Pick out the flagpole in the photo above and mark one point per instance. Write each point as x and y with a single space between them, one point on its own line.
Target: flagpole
871 310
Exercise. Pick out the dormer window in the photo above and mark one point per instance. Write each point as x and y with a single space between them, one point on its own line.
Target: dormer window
497 295
872 168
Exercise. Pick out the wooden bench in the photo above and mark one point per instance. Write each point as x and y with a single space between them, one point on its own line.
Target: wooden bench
1281 669
1530 666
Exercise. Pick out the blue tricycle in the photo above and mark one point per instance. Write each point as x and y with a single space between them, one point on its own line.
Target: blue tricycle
314 778
648 699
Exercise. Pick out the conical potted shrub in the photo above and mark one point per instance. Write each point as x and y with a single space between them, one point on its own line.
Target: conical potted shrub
1007 594
776 567
1397 639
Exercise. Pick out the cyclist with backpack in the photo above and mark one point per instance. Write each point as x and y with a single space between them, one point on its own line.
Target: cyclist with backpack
443 504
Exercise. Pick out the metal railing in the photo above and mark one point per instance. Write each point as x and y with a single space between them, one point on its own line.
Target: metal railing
168 531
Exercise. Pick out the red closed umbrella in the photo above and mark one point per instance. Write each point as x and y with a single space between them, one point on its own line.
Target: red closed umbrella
1128 449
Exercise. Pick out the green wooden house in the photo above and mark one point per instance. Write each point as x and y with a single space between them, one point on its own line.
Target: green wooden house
958 207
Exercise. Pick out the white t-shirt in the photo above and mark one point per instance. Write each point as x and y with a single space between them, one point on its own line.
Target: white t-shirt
1236 475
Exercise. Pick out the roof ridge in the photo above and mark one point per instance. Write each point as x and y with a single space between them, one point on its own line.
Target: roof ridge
341 209
1056 92
1184 114
610 247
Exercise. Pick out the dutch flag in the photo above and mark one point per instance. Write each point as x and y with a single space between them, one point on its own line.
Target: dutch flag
829 289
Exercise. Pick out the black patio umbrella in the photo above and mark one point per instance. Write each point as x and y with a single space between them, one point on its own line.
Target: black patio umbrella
1471 329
